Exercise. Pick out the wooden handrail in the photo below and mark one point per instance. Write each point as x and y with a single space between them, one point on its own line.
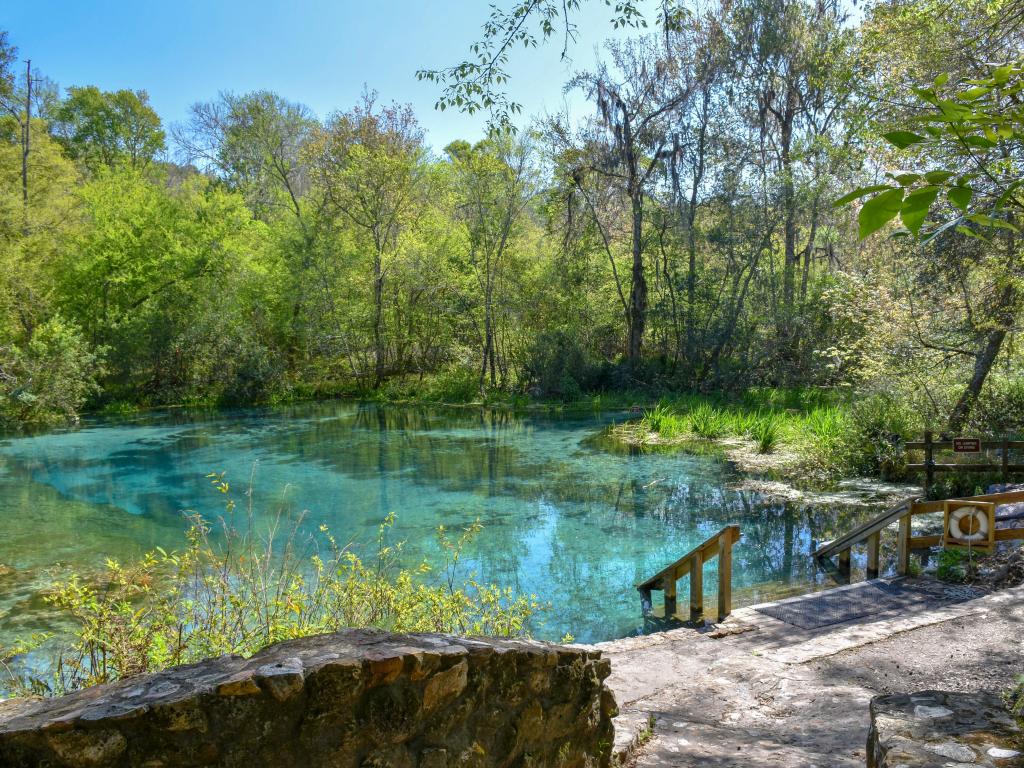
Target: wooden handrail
904 512
934 540
929 467
863 531
966 467
1006 497
692 563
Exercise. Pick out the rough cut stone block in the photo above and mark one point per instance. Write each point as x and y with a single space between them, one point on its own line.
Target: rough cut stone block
355 699
934 729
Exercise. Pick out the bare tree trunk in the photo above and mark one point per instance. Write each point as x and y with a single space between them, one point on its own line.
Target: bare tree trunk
26 145
487 358
490 346
691 218
983 361
378 319
789 208
638 292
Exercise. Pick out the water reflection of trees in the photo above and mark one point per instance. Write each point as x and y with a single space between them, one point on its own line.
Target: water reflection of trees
562 518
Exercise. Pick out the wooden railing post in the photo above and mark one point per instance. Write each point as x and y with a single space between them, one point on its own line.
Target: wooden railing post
724 576
692 564
646 606
929 462
874 547
670 598
1005 468
844 565
903 550
697 588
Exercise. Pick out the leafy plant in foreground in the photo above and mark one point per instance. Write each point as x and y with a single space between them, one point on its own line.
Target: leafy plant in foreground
246 587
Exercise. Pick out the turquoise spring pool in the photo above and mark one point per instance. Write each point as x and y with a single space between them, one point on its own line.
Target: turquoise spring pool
565 517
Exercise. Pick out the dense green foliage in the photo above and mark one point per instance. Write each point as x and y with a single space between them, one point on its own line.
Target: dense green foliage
684 239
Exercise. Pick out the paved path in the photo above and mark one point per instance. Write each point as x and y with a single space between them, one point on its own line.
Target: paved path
756 691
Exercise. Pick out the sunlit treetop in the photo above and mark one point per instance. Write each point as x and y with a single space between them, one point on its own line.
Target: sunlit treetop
478 82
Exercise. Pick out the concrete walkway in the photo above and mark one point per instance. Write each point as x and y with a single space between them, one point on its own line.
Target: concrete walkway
757 691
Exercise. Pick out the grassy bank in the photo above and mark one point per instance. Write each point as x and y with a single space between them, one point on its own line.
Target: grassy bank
455 388
806 436
812 433
809 435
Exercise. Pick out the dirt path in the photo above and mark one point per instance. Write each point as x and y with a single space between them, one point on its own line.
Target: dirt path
776 695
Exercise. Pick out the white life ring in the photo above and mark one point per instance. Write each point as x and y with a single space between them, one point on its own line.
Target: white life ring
978 518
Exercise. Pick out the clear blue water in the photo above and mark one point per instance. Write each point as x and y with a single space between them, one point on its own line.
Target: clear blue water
565 517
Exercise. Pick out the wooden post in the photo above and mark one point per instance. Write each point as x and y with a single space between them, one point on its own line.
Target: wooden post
903 551
724 577
874 545
929 462
697 588
1006 461
645 602
670 598
844 565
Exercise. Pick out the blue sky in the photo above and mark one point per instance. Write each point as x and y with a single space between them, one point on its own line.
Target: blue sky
314 51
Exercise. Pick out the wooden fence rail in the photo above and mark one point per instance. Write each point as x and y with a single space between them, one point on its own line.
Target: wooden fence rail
929 467
692 564
903 513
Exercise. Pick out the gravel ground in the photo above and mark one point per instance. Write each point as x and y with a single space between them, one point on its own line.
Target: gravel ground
958 655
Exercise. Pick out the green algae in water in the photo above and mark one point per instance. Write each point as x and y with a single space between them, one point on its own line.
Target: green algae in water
564 518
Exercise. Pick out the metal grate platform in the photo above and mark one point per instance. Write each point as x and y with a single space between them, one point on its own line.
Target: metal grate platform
865 599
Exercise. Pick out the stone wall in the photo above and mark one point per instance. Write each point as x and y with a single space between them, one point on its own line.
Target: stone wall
358 698
935 729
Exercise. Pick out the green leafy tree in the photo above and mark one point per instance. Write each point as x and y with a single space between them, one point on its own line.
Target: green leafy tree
478 82
966 143
255 142
108 128
133 274
495 182
50 377
369 166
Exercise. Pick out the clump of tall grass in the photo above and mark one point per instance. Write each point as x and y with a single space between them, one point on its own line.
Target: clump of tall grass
707 421
242 589
765 431
830 433
826 433
663 421
790 399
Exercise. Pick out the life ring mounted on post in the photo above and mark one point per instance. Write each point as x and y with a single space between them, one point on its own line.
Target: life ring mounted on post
969 524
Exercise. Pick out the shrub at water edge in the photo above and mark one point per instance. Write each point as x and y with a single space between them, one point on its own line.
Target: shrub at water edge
239 591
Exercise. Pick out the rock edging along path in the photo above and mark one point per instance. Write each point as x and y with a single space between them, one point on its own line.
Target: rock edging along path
357 698
757 691
933 729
